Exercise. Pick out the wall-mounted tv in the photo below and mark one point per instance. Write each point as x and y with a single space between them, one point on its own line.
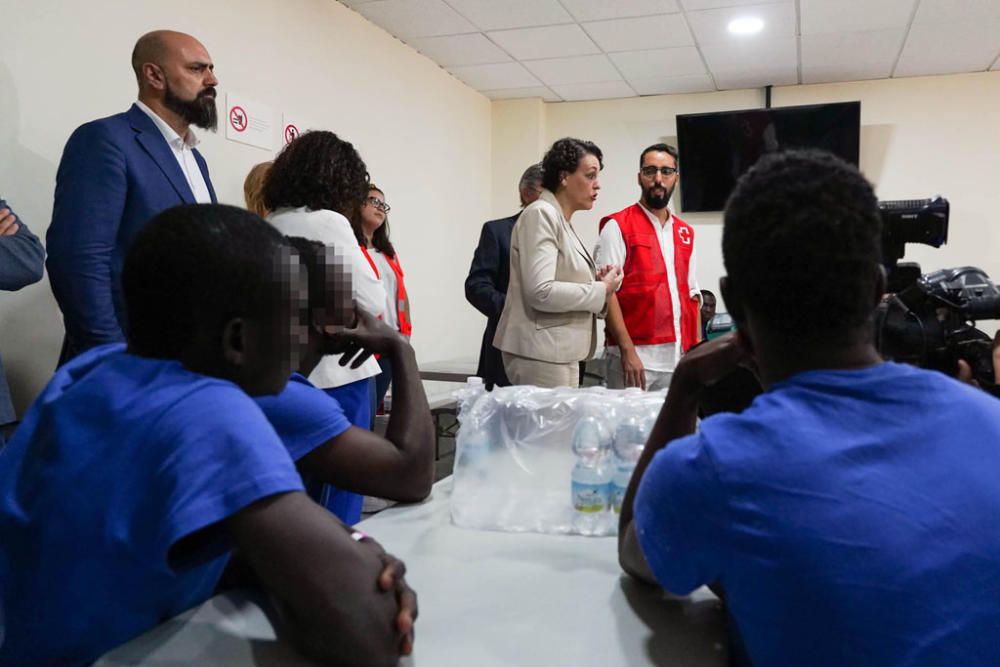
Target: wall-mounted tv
716 148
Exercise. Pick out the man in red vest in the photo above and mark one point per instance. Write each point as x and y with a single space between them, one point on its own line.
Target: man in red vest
655 317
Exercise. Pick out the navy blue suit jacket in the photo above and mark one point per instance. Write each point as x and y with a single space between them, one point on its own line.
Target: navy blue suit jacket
486 289
21 264
115 174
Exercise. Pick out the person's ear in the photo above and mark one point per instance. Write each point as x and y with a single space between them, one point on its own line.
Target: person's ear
153 75
733 305
234 342
881 283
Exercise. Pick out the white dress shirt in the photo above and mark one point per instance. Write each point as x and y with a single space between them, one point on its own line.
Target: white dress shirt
182 148
332 229
611 250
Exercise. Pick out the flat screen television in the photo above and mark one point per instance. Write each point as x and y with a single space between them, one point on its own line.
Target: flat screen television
716 148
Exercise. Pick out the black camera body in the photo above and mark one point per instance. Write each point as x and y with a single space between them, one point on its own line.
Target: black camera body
929 320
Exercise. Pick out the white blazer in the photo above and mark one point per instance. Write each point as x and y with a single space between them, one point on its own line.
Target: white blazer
554 298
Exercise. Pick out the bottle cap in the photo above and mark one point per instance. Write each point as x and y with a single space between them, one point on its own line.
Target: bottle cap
473 380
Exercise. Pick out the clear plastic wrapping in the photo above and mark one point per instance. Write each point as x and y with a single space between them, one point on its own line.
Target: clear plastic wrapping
516 467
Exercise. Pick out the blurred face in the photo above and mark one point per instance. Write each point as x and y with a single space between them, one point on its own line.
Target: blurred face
272 347
373 211
187 78
657 187
580 188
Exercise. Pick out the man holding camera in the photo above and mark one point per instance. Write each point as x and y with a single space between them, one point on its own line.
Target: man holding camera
848 516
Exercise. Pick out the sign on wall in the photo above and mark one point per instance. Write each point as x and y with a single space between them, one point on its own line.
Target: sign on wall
248 121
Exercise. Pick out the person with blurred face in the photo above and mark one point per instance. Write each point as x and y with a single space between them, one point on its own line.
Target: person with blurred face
116 173
489 275
654 318
707 311
557 291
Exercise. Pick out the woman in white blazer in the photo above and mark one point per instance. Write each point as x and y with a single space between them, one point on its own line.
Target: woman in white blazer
556 292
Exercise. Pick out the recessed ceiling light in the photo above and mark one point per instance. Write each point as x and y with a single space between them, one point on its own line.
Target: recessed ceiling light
746 26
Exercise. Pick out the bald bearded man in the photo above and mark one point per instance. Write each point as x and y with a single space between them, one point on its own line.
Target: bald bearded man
116 173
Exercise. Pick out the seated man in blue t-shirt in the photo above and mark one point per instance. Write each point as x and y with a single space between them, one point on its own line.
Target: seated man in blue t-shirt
136 471
327 449
848 516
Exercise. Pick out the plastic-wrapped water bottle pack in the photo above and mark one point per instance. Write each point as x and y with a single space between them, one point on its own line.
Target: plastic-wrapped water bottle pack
547 460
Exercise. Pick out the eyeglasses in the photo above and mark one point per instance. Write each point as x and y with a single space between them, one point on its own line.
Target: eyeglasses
379 204
649 171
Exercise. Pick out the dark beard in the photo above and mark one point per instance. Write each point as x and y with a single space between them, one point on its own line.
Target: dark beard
200 111
656 202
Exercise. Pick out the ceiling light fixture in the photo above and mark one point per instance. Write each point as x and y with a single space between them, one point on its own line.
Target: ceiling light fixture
746 26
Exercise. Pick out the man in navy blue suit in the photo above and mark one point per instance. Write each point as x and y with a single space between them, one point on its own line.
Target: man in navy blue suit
486 286
116 173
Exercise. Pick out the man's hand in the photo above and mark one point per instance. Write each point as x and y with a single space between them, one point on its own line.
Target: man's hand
632 369
8 222
393 579
709 362
368 336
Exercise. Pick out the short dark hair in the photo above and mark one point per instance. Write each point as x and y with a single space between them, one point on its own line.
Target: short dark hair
318 170
195 267
801 242
708 292
661 148
565 155
312 257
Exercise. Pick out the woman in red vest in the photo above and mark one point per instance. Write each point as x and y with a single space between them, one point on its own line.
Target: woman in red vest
371 226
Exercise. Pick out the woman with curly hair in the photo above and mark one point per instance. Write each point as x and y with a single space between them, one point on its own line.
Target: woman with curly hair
556 292
316 181
371 227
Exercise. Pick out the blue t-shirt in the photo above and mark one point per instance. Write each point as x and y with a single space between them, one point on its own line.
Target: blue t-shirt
117 460
304 417
851 517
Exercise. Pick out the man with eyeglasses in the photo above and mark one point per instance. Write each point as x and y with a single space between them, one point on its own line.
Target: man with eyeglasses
655 315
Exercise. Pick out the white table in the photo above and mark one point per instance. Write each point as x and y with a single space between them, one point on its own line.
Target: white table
486 599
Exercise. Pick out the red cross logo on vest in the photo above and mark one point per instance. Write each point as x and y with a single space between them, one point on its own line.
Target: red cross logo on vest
684 234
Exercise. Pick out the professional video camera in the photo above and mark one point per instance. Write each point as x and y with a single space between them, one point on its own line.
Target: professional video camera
929 320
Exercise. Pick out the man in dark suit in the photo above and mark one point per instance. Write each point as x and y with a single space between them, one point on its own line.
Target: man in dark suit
22 260
486 286
118 172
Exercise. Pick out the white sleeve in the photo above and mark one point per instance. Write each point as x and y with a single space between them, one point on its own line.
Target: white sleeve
693 273
610 246
366 287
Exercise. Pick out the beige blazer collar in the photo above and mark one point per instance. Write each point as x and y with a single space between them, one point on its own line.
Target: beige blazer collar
567 226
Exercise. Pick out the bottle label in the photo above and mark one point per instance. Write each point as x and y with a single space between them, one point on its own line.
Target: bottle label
617 498
589 497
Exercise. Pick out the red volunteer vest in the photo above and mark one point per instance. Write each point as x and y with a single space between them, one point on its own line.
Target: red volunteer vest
405 327
645 293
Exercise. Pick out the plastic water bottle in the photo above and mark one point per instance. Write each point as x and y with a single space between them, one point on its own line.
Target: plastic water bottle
470 393
591 476
629 441
474 434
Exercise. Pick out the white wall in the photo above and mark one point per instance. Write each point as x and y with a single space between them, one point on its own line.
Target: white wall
919 137
425 136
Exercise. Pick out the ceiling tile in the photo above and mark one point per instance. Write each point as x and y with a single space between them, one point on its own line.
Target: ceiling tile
698 5
746 55
758 77
575 92
701 83
354 3
501 14
640 33
577 69
996 66
518 93
946 48
456 50
711 26
826 16
850 56
415 18
545 42
937 11
598 10
659 63
494 77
